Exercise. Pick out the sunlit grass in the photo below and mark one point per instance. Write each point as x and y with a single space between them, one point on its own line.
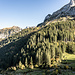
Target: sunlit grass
69 56
69 59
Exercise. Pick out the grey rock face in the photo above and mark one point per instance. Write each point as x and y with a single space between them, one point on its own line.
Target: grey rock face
47 17
67 10
72 3
6 32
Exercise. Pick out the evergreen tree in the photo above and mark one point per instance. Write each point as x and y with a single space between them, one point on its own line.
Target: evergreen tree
26 63
31 61
20 64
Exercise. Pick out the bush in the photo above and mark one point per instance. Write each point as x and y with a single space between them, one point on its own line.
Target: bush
22 67
36 66
55 72
66 67
12 68
31 66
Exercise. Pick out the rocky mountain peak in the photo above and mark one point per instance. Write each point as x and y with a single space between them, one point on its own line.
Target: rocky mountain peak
72 3
6 32
65 11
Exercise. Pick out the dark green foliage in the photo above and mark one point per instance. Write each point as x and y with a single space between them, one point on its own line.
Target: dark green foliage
70 47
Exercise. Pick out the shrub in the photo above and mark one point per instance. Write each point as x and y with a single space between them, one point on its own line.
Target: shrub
20 64
12 68
22 67
66 67
56 71
36 66
31 66
43 74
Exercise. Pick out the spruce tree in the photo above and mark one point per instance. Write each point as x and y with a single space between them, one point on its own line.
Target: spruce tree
31 61
26 63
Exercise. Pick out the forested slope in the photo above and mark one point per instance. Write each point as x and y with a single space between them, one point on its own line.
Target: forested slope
41 46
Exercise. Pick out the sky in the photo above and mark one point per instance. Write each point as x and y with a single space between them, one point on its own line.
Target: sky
27 13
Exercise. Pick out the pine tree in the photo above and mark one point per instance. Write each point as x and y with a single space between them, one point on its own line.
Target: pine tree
20 64
64 47
55 38
49 57
31 61
53 52
60 51
26 63
39 59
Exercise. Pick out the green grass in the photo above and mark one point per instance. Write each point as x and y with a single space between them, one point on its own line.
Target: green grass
35 71
69 56
69 59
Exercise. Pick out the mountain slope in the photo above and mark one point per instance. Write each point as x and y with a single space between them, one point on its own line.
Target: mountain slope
6 32
38 44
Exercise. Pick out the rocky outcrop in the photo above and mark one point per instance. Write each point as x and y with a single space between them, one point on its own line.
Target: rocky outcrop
47 17
67 10
6 32
72 3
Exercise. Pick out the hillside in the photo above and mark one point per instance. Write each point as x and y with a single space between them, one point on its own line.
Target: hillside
39 45
6 32
11 46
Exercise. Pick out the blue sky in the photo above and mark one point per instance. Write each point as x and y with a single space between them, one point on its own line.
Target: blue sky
24 13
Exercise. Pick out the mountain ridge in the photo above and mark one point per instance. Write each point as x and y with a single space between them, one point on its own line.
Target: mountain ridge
66 10
6 32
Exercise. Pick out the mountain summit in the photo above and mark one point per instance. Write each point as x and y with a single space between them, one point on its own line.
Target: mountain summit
72 3
67 10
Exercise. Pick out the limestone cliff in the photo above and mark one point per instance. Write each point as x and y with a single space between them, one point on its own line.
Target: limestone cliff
6 32
67 10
